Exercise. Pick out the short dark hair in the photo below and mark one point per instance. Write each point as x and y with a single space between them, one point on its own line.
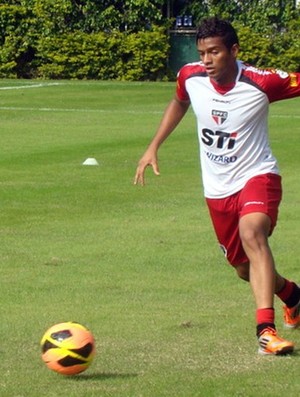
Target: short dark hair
215 27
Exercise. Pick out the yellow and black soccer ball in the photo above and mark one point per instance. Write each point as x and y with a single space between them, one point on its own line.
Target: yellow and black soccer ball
68 348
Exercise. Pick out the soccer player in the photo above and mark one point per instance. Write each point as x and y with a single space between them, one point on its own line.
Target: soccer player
241 180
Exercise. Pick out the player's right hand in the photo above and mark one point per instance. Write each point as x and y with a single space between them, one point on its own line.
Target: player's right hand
146 161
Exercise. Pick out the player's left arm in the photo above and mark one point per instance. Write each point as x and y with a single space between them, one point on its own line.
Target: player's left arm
283 85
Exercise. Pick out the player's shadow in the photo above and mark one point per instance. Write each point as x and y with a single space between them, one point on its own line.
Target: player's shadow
103 376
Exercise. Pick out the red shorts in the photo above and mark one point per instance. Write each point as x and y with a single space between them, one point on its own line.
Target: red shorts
260 194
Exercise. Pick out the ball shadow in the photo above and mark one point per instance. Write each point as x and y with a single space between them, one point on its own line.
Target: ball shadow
102 376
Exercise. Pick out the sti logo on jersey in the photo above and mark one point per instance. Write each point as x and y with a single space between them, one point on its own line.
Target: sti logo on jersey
219 116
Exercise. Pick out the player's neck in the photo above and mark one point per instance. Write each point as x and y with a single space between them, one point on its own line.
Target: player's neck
227 80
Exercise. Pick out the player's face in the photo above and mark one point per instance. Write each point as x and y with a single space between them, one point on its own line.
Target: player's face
219 61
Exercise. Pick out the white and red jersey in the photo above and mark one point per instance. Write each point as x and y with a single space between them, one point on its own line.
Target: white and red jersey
233 123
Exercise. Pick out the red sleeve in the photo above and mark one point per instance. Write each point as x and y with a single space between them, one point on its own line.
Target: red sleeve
283 85
180 87
189 70
277 84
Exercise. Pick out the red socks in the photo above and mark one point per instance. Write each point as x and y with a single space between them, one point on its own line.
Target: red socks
289 294
264 319
265 316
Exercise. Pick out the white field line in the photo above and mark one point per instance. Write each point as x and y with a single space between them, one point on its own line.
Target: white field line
25 109
21 87
126 111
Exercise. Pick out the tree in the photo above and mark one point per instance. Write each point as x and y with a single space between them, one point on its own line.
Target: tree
268 29
30 29
262 16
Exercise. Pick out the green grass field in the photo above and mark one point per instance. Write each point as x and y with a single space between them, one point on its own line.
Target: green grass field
139 266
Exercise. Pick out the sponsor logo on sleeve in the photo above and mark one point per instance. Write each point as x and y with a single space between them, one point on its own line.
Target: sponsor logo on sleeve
293 80
281 74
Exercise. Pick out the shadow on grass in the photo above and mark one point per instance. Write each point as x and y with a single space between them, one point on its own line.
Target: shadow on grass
296 353
102 376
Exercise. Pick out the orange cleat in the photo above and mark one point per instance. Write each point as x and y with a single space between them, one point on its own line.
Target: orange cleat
291 316
270 343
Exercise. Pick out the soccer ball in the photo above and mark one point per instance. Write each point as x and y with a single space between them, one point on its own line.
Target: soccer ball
68 348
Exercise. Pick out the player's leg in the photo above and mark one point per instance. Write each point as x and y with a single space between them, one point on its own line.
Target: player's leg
263 194
259 202
254 230
286 290
282 286
242 271
289 293
225 218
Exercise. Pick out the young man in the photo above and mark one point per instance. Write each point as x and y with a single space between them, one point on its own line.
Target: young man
242 185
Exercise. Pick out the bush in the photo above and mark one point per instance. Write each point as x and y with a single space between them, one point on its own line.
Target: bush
121 56
17 31
41 39
279 50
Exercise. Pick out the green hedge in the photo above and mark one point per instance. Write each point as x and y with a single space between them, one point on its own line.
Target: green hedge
137 56
120 56
32 48
280 51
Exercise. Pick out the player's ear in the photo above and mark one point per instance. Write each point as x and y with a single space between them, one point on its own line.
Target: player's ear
234 50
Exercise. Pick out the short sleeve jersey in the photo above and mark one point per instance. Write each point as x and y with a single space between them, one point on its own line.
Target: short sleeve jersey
232 123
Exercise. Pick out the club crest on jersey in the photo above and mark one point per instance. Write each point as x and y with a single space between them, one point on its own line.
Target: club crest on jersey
219 116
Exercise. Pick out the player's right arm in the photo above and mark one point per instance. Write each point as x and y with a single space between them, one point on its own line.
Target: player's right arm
173 114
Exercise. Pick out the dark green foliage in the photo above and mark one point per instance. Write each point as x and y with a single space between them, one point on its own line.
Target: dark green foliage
128 40
275 50
269 30
135 56
65 39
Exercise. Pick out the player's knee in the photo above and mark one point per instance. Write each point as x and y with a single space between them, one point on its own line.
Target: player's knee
254 230
248 236
254 240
